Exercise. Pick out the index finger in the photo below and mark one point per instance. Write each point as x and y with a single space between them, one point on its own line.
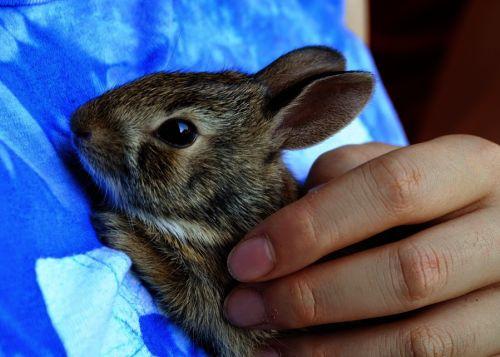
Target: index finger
406 186
337 162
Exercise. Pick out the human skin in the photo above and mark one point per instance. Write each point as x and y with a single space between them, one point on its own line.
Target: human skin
446 273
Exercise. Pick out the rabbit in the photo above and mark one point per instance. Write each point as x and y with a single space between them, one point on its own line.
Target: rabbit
190 162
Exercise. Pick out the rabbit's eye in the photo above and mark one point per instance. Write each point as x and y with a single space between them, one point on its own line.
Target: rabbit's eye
177 132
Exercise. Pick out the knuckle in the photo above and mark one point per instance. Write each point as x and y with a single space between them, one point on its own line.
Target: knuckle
485 149
304 216
427 341
421 271
477 142
484 145
303 297
398 182
478 148
490 152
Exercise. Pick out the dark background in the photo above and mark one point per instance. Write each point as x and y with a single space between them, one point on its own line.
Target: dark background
440 62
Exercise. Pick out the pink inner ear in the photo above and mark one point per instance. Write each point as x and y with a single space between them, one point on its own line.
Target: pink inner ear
323 108
306 108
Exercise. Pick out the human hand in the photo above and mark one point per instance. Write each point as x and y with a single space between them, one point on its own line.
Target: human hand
448 271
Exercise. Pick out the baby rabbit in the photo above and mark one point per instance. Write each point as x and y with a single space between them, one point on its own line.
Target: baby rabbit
190 162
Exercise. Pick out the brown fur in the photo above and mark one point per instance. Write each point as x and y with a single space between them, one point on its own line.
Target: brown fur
178 212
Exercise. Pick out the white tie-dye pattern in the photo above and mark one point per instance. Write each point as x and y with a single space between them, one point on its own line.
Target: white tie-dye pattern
95 304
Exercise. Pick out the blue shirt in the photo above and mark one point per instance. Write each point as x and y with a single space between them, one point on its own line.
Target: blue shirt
62 291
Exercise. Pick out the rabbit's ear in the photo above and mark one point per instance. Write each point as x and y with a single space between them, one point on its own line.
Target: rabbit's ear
311 97
300 65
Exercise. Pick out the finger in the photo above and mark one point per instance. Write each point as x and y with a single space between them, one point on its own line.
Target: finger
406 186
468 326
337 162
438 264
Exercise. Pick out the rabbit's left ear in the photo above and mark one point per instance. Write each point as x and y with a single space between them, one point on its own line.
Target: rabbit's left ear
311 97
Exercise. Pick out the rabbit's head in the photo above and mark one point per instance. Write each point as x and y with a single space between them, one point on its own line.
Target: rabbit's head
206 146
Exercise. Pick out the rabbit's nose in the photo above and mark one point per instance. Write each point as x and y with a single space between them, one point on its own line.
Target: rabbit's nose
80 126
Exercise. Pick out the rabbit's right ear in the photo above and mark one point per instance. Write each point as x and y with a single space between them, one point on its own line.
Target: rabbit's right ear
299 65
311 96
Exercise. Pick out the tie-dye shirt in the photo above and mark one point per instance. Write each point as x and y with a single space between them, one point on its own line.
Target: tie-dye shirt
62 292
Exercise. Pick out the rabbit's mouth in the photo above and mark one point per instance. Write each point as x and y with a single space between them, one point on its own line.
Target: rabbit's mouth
101 173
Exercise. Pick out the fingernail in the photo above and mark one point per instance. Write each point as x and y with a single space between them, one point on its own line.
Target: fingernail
251 259
245 308
268 352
